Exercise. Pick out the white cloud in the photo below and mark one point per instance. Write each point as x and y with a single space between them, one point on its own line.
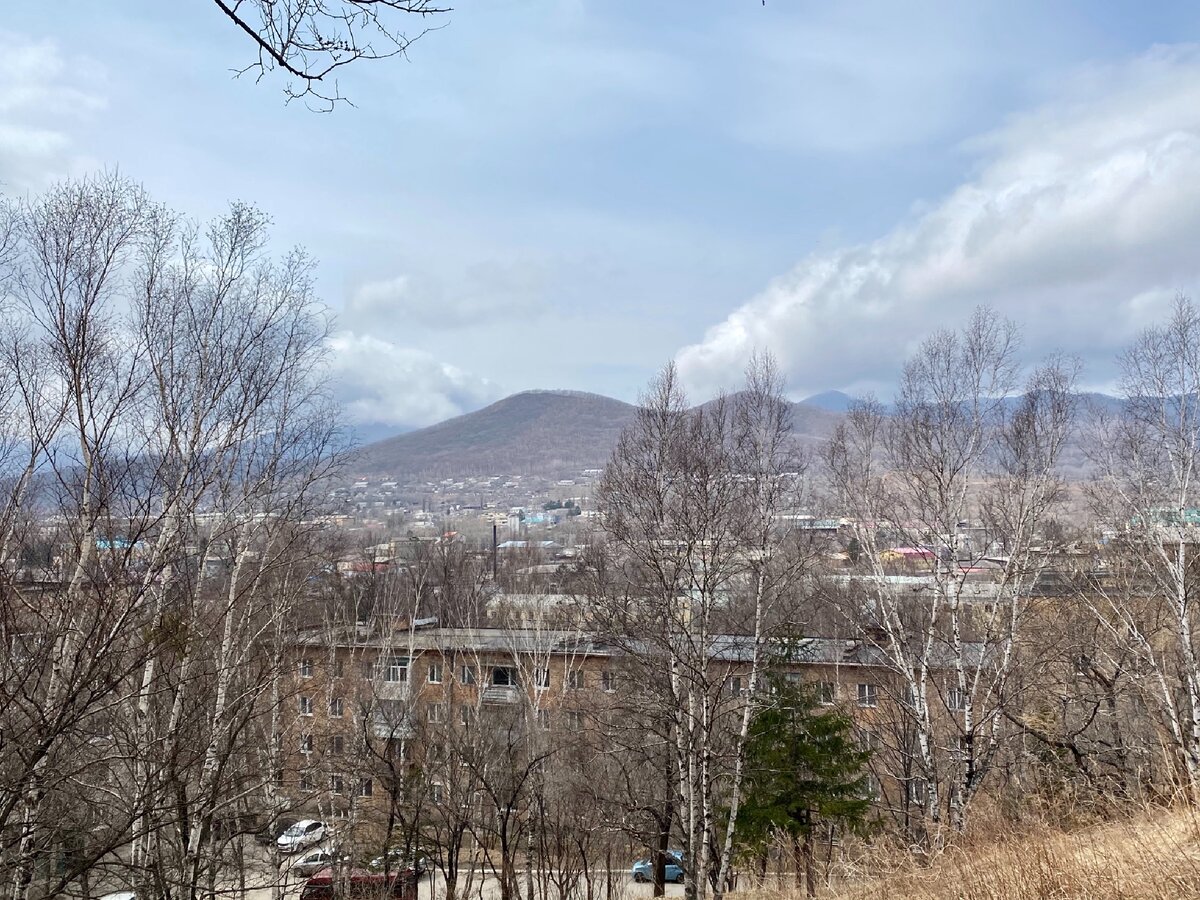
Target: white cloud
478 294
41 101
1082 221
384 384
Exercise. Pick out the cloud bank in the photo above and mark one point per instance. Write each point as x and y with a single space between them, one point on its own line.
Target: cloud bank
40 101
379 382
1081 222
483 292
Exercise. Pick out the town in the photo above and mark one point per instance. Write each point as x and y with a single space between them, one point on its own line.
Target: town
586 450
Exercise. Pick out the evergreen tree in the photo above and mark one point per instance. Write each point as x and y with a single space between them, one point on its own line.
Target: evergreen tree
805 770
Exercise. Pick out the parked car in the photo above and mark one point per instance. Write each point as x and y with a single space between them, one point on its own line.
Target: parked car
362 884
399 861
120 895
314 861
643 869
301 836
268 835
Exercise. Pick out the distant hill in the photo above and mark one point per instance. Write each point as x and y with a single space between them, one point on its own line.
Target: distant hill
833 401
812 424
536 432
553 433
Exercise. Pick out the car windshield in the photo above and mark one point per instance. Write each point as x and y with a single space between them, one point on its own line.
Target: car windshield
294 831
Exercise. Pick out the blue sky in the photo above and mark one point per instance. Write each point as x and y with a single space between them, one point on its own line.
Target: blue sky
568 194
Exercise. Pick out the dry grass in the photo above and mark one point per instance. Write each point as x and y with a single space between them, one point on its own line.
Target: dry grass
1148 857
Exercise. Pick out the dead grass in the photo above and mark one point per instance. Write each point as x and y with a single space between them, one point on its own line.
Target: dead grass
1152 856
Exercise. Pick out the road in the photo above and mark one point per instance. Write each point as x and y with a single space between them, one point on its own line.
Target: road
432 887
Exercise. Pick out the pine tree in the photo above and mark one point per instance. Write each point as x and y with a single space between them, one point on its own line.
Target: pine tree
805 771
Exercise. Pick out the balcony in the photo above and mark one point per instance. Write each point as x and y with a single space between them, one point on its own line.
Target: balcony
501 693
385 728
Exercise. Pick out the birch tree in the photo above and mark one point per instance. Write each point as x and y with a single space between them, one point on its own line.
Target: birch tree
958 474
167 405
690 504
1148 455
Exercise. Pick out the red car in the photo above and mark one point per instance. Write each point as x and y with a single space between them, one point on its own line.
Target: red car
362 884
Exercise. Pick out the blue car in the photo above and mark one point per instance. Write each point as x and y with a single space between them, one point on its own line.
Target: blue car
643 869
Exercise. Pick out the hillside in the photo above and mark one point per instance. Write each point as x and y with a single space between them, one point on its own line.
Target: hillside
553 433
1154 855
535 432
542 432
834 401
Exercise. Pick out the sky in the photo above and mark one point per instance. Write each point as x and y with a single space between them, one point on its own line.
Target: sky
570 193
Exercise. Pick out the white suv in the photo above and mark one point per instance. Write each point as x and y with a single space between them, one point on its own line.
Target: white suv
301 836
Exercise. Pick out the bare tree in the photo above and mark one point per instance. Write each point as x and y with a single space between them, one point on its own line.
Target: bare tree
312 40
692 501
957 475
172 425
1149 457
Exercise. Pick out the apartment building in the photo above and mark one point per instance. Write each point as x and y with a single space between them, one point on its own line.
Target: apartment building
369 702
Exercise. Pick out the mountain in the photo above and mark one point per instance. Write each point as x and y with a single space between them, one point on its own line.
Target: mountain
548 433
538 432
555 433
833 401
812 423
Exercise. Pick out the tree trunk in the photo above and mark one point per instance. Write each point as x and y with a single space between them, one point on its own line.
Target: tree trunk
810 867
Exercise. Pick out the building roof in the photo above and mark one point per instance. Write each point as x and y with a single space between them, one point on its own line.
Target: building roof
562 642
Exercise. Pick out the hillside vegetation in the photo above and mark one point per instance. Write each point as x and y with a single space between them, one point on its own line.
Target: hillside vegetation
543 432
1151 856
548 433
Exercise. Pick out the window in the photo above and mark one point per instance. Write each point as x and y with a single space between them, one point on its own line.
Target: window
436 792
390 712
306 705
543 719
365 787
541 678
337 784
956 698
608 680
306 783
336 707
435 673
867 695
396 669
339 668
793 677
467 675
337 745
437 713
826 693
306 668
915 790
574 719
575 679
341 812
368 669
503 676
436 753
306 743
465 715
734 684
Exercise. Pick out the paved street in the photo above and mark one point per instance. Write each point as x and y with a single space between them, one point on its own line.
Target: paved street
432 887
